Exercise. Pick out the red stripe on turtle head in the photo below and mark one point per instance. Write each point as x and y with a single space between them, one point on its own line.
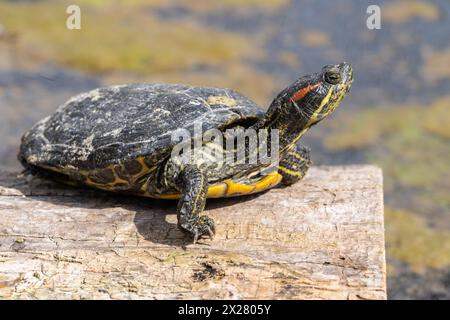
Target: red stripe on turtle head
304 91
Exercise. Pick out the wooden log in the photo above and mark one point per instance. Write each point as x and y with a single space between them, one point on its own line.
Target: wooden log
322 238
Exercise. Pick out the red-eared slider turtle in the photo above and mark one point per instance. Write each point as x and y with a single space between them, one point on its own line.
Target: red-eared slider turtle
120 139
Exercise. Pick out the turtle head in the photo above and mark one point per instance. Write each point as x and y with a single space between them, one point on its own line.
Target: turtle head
319 94
312 97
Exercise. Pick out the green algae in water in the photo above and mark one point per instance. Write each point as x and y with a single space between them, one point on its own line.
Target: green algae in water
437 118
410 143
399 139
123 38
409 239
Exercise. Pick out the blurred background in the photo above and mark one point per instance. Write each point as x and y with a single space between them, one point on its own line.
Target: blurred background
397 114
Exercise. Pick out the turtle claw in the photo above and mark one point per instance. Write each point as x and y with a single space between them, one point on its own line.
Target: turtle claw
210 233
203 226
195 238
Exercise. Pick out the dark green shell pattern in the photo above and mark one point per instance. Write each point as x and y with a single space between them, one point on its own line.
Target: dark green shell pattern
120 123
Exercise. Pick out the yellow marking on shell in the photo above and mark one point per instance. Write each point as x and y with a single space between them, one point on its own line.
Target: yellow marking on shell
230 188
141 161
69 170
117 180
225 100
217 190
110 185
291 172
169 196
269 181
145 169
236 188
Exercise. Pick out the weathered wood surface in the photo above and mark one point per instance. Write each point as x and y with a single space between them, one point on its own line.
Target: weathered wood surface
320 239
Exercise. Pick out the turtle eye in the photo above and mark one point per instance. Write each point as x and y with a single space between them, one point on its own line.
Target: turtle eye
332 77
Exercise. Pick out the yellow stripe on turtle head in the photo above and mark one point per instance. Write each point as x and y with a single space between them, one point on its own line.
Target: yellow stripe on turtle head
316 113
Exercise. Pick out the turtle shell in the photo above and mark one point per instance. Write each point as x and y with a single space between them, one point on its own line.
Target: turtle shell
116 124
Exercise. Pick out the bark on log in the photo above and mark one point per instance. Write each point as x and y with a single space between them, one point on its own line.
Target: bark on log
322 238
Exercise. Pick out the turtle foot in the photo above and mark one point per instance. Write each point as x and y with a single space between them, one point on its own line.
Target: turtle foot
204 225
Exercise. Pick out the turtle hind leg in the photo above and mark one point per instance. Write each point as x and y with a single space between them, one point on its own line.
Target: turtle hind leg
193 185
294 165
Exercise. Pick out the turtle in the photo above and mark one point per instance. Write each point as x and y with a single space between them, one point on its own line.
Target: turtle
120 139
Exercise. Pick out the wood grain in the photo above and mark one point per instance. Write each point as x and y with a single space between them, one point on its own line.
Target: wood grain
322 238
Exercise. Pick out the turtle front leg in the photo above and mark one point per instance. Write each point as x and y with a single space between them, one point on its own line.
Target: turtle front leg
193 185
294 165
